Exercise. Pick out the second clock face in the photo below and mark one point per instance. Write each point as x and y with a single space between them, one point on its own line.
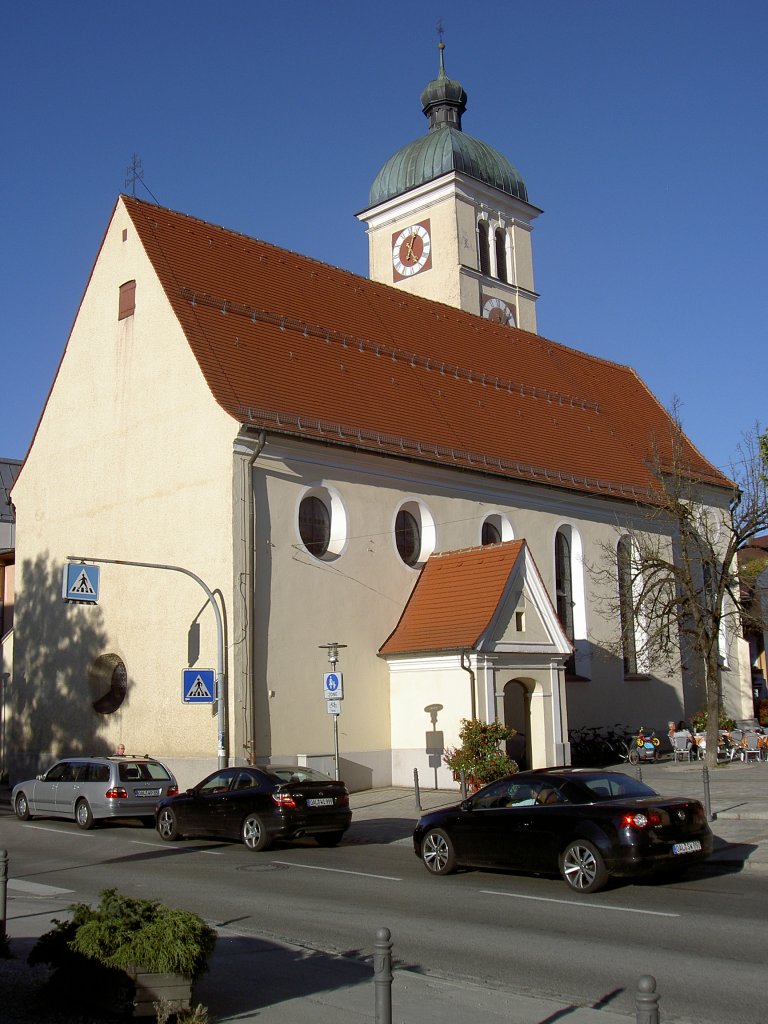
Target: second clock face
498 311
411 251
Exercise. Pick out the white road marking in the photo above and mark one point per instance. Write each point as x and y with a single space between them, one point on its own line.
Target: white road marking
338 871
36 888
171 849
62 832
580 905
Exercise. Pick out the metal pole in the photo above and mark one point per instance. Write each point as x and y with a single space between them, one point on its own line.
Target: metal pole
382 976
463 778
647 1001
221 709
3 888
335 747
416 788
333 659
707 799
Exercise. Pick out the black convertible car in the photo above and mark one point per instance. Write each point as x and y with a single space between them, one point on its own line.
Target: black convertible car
585 824
259 805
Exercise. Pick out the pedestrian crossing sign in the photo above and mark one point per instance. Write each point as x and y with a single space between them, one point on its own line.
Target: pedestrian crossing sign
81 583
198 686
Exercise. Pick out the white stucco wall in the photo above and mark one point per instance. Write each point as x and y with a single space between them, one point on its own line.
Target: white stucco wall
127 464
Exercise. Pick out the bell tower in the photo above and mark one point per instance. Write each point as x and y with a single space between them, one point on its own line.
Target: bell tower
449 218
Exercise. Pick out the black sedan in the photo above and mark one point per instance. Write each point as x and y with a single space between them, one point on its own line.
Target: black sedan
588 825
259 805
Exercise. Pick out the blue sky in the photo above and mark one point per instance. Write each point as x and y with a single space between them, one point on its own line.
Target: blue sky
640 129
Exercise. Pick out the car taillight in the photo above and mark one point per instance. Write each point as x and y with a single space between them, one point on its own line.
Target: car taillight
343 801
283 800
117 793
641 819
173 791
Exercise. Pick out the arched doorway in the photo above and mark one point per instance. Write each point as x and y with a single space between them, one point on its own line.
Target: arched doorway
517 715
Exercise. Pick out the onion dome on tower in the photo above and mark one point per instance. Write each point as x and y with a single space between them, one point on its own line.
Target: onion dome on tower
445 148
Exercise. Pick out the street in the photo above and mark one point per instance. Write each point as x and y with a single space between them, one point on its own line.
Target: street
525 934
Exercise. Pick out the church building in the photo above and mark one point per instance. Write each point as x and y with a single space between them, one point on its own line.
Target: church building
289 477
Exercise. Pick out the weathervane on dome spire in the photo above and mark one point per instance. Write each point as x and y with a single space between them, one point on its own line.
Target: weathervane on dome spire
441 44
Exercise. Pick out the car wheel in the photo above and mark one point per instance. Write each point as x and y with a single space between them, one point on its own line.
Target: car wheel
582 867
83 814
329 838
22 807
634 756
437 852
168 825
254 833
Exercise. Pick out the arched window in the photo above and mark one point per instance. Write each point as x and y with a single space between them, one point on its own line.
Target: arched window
490 533
564 583
407 537
314 525
483 248
500 239
627 606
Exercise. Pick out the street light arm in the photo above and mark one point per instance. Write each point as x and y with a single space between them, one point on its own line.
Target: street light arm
220 699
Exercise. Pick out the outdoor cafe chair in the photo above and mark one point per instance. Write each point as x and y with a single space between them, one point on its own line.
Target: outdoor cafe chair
681 748
751 747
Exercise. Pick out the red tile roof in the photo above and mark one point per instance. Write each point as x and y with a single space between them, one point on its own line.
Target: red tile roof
294 345
454 600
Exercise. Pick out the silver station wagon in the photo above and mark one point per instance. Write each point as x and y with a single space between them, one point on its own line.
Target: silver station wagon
86 789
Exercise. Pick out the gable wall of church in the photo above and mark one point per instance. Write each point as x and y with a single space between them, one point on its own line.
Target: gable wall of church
127 464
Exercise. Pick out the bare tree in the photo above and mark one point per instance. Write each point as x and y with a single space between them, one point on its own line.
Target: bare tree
675 571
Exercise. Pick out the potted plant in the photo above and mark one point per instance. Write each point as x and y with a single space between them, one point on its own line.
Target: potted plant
480 756
127 954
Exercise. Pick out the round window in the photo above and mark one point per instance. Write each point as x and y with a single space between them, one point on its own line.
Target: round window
108 681
314 525
407 537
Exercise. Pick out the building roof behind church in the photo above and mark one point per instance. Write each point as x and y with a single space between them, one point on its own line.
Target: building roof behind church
455 599
295 346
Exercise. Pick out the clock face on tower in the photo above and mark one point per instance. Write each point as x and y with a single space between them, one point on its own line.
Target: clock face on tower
498 311
411 251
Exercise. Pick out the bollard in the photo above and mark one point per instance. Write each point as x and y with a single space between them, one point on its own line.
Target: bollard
707 799
463 777
647 1000
639 773
382 976
416 788
3 888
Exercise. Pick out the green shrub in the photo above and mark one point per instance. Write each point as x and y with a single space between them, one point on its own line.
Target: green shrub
480 756
122 933
699 721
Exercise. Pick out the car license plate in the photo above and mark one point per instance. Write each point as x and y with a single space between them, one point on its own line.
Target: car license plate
146 792
690 847
320 801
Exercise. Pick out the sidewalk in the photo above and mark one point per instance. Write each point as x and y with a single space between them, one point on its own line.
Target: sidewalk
256 980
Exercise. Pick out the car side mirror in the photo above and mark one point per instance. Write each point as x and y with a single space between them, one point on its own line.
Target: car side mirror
466 805
190 792
40 778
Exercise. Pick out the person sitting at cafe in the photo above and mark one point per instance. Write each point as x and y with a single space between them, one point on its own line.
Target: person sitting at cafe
683 730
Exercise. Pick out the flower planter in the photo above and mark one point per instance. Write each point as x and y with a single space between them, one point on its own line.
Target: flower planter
174 990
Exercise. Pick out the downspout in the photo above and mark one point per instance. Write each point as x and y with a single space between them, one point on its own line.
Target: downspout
250 590
468 668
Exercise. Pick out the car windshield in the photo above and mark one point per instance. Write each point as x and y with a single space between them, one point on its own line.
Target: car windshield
614 787
135 771
296 773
